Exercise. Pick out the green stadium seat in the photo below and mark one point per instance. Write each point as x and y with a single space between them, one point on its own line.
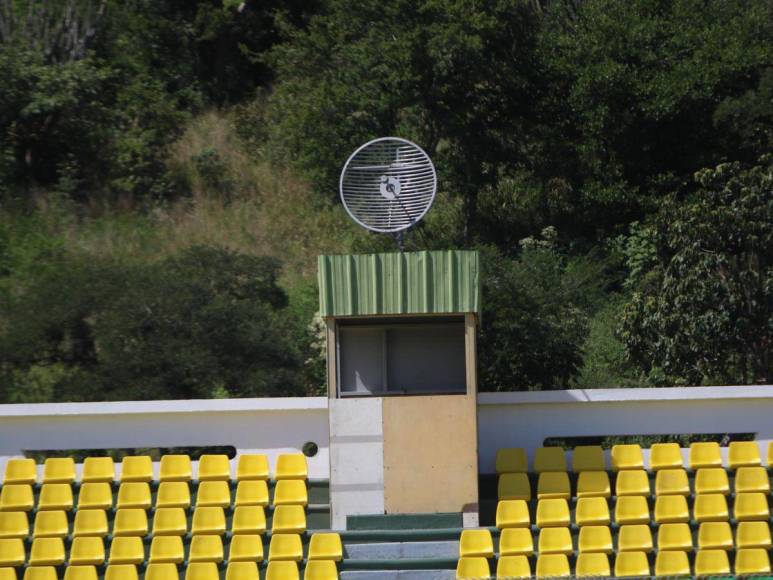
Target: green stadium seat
634 538
242 571
712 563
591 511
161 571
248 520
631 565
167 549
98 470
252 492
751 507
214 468
552 566
202 571
80 573
626 457
90 523
595 539
751 561
704 455
137 468
246 548
553 484
12 553
173 494
87 551
127 550
549 459
665 456
214 494
671 509
513 567
175 468
130 522
16 497
97 496
743 454
20 471
512 513
121 572
133 494
170 522
46 552
282 570
588 458
476 543
593 484
553 541
675 537
206 549
252 467
592 565
291 492
291 466
753 535
208 520
40 573
326 546
320 570
59 470
475 567
289 519
14 525
672 482
285 547
55 496
710 507
514 486
715 536
632 482
552 513
712 480
515 542
672 563
50 524
751 480
632 509
512 460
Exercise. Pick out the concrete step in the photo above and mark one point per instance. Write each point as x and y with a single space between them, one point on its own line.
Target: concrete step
400 550
404 521
399 564
399 575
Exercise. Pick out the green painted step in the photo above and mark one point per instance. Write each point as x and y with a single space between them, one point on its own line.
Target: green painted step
401 564
404 521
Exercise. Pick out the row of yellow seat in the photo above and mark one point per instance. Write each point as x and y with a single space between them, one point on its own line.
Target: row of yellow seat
60 496
139 468
630 456
276 570
626 565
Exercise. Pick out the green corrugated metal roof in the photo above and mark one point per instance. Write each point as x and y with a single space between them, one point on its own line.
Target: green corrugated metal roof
399 283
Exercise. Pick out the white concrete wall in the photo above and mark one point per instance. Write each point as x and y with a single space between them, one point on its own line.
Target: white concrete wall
526 419
270 426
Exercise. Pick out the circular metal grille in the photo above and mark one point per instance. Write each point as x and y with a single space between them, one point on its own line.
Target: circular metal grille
388 184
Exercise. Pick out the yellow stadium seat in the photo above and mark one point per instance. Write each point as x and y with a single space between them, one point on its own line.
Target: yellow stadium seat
98 470
554 541
553 484
593 484
590 565
282 570
214 468
632 482
50 524
627 457
712 480
127 550
326 546
121 572
16 497
291 492
588 458
97 496
671 509
161 571
476 543
285 547
20 471
242 571
252 492
632 509
665 456
514 486
743 454
87 551
634 538
167 549
8 573
552 513
175 468
512 460
712 563
552 566
208 520
675 537
595 539
55 496
15 525
753 535
138 468
130 522
549 459
710 507
672 563
289 519
252 467
291 466
170 522
213 494
705 454
513 567
672 482
516 541
59 470
248 520
90 523
12 552
752 561
752 479
206 549
133 495
715 536
475 567
40 573
246 548
320 570
80 573
591 511
751 507
512 513
631 565
47 552
173 494
202 571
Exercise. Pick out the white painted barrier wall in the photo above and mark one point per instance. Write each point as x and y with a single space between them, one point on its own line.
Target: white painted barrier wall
270 426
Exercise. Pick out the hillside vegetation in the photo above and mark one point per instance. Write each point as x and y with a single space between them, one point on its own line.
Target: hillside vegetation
168 175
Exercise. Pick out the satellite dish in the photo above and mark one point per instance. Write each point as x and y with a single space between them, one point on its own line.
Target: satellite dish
388 185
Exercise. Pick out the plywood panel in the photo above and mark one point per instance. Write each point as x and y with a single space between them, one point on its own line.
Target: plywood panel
430 454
